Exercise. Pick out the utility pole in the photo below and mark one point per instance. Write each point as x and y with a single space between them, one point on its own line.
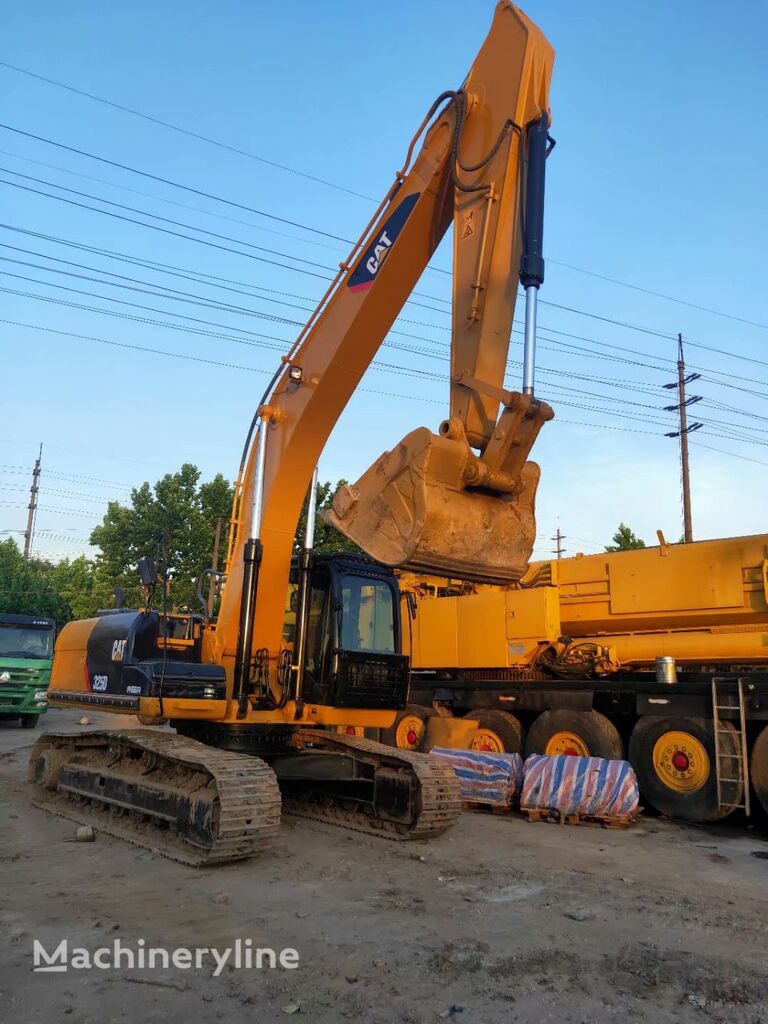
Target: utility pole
32 513
212 579
558 550
683 431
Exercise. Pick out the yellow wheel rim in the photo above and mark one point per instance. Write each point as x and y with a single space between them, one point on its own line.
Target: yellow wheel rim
488 741
567 742
681 761
410 732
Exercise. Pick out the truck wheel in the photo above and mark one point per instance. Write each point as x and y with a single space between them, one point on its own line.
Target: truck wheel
674 759
29 721
758 768
578 733
409 728
498 732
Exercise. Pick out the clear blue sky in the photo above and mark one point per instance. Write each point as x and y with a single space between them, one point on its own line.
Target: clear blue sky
658 179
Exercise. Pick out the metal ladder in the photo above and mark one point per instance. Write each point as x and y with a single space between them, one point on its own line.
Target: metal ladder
720 694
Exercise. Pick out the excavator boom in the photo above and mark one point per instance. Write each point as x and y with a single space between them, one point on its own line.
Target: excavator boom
461 500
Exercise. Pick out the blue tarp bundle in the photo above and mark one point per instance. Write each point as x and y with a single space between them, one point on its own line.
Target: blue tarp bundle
583 786
485 778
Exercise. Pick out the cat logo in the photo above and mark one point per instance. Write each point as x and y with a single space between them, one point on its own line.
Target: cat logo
364 274
118 650
379 253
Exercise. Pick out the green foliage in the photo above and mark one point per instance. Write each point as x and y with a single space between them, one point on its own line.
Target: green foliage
178 515
625 540
28 588
75 582
175 520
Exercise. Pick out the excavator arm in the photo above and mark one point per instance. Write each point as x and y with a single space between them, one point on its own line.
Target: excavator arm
440 501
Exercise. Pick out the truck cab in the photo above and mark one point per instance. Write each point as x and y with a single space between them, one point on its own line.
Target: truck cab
26 655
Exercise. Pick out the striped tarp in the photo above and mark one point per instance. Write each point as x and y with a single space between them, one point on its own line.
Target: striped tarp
485 778
583 786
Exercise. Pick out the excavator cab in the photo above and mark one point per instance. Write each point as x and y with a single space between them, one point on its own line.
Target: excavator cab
352 650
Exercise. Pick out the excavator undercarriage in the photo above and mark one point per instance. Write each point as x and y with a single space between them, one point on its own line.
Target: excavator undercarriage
201 805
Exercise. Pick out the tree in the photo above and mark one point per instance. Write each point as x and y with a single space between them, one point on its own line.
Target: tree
625 540
174 522
76 583
327 537
26 588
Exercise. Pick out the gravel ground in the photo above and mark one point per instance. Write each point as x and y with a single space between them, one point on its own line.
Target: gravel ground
498 921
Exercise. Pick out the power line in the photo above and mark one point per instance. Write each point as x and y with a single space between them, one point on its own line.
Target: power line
555 305
658 295
165 220
550 330
187 132
191 238
334 185
282 342
186 273
172 202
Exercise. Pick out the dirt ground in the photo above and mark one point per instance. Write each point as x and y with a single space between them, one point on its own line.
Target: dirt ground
498 921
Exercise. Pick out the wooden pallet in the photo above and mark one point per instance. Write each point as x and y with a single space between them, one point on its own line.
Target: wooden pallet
487 806
594 820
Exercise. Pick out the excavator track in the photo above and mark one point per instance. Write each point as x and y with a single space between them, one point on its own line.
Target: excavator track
175 796
438 802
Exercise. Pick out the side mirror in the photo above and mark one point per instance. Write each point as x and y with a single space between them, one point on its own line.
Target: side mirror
147 571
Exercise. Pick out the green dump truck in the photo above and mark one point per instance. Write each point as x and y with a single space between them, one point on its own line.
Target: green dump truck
26 654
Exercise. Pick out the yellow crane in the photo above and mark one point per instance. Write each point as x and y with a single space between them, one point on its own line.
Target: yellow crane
658 655
251 707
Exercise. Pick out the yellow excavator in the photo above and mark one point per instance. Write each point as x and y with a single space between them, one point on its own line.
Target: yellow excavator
257 710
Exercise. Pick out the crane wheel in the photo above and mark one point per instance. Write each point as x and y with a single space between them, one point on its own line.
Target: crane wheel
758 768
498 732
409 728
674 759
578 733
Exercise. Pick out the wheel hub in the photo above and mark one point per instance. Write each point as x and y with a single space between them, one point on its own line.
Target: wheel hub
487 741
681 761
567 743
410 732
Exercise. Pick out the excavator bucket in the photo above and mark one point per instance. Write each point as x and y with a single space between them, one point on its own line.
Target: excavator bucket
413 509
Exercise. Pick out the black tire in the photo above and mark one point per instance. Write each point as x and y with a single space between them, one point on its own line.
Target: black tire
758 768
505 728
29 721
670 797
598 735
390 735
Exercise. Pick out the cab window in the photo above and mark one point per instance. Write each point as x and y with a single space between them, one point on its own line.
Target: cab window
368 615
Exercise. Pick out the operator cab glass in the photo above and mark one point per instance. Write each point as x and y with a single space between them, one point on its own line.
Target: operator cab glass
367 615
